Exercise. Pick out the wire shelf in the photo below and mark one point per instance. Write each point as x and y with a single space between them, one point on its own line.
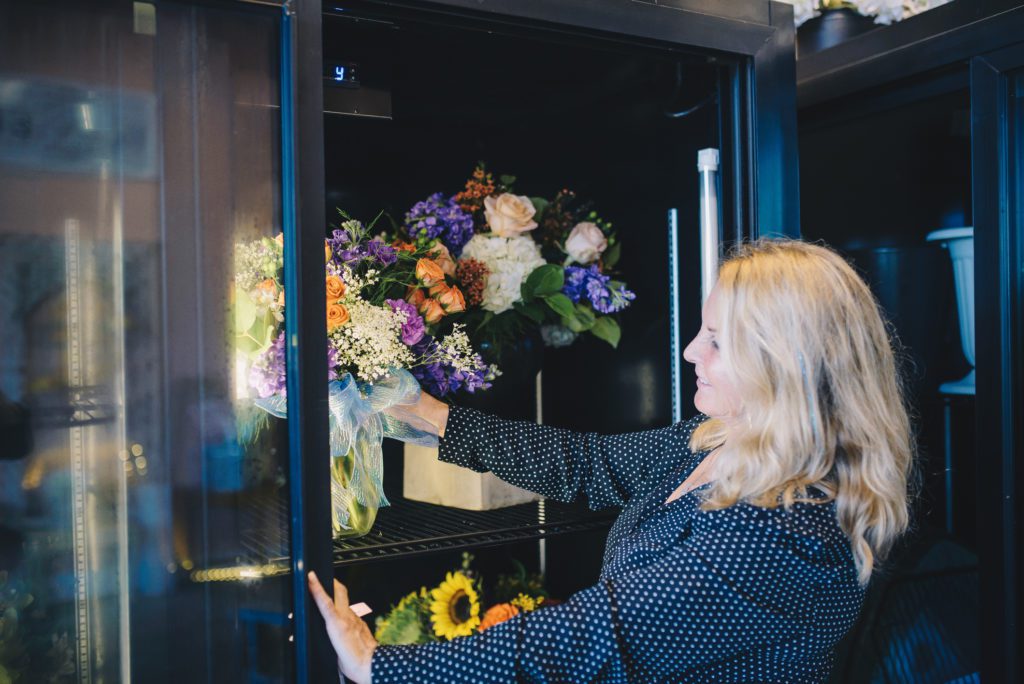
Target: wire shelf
410 528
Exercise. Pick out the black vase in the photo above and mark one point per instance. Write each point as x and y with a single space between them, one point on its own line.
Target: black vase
513 394
832 27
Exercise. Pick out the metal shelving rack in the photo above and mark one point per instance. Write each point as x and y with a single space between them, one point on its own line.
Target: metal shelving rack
410 528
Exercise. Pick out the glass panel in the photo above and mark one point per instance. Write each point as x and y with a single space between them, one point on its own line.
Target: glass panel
138 145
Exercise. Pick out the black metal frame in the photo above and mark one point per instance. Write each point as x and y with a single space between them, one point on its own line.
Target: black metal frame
999 295
304 220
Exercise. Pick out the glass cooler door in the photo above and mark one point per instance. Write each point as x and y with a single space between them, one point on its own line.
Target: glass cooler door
140 145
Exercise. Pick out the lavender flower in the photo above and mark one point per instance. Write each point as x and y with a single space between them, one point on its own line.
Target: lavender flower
413 328
589 282
381 252
440 377
436 217
348 247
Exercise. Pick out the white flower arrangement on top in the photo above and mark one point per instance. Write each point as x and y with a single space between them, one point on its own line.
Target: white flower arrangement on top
884 11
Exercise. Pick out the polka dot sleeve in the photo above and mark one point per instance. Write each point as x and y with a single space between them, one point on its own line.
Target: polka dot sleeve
562 464
701 607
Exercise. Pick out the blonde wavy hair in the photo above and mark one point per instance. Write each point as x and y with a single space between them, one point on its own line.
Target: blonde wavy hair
822 405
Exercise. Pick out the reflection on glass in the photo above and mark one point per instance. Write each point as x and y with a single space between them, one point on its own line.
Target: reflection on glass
142 533
1017 150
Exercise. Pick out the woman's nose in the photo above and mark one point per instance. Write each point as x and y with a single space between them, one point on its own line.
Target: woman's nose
690 352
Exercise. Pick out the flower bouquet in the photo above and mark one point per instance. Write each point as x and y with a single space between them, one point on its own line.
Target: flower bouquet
454 608
521 263
377 344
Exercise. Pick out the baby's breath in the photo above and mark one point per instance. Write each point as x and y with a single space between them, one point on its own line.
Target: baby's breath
370 342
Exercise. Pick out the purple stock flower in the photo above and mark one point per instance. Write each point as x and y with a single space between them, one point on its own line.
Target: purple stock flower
267 374
436 217
413 328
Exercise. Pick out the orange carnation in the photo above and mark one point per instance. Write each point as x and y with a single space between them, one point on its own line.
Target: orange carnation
335 289
429 272
337 315
497 614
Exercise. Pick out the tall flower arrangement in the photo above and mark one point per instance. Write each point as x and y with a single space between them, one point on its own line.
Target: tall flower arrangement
519 263
377 342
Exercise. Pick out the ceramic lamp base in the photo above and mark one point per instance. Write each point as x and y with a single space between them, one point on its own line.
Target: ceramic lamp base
432 481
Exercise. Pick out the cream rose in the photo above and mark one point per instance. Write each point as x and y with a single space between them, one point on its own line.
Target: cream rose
509 215
586 243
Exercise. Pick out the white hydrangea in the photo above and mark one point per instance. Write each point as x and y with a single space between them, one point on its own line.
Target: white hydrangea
509 261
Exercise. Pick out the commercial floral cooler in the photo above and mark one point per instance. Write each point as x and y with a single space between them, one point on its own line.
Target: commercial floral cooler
156 520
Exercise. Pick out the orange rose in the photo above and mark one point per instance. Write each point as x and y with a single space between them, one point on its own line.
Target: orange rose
438 289
497 614
280 298
440 254
415 296
337 315
403 246
431 310
452 300
335 289
267 286
429 272
327 251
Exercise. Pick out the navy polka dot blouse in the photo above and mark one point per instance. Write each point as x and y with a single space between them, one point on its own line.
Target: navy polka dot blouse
744 594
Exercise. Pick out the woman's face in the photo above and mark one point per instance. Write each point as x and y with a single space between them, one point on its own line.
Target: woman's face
716 396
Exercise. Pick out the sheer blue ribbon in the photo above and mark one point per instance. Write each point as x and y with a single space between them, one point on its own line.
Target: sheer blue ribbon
358 423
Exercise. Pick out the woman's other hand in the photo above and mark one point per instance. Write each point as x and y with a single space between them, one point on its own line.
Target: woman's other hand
349 635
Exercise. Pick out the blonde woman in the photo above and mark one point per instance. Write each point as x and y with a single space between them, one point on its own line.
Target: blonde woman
747 534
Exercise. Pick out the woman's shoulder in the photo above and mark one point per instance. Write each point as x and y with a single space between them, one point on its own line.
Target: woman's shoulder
807 528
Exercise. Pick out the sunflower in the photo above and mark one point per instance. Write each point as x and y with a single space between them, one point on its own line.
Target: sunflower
455 607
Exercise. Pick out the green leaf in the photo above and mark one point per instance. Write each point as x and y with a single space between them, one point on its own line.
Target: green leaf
534 311
245 311
544 280
507 180
560 304
607 329
582 319
611 257
540 204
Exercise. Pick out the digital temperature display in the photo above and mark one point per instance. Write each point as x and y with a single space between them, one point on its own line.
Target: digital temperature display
342 74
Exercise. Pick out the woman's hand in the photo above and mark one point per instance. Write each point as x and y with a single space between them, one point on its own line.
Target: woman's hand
349 635
432 410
